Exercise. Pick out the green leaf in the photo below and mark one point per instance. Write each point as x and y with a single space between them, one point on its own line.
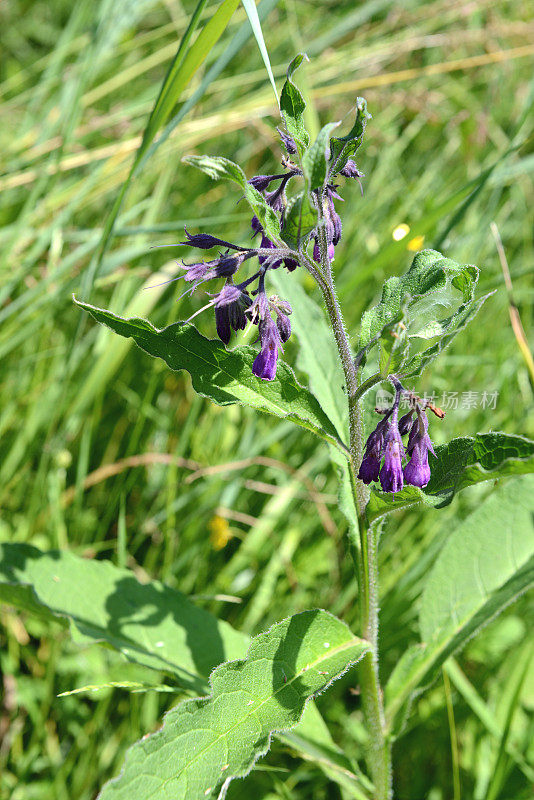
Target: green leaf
472 459
315 159
292 106
317 355
186 62
487 561
344 147
300 219
459 464
417 306
225 376
151 624
206 742
218 167
255 24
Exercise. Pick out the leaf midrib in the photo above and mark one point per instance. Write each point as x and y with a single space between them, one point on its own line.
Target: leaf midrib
336 651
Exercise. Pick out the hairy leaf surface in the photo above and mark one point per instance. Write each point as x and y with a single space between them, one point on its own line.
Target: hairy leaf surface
342 148
487 561
225 376
151 624
292 107
206 742
433 302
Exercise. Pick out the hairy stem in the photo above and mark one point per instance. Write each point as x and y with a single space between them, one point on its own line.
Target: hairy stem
379 752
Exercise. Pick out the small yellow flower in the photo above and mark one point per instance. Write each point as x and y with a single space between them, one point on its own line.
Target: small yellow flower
416 243
220 533
400 231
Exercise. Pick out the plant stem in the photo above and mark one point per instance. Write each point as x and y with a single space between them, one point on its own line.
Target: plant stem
379 752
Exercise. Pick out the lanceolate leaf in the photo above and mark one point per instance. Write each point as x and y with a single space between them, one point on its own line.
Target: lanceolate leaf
315 159
292 106
217 167
225 376
344 147
459 464
151 624
487 561
206 742
432 302
300 219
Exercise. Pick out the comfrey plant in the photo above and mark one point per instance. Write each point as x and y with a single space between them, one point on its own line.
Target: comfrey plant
207 742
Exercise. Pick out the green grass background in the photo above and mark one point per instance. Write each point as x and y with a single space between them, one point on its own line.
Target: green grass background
103 449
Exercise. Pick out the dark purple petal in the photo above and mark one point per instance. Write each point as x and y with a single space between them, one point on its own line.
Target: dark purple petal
261 182
222 323
369 468
391 479
264 365
290 264
205 242
284 326
417 470
405 423
288 142
255 225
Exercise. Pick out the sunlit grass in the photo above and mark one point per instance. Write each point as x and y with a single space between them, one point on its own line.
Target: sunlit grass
100 445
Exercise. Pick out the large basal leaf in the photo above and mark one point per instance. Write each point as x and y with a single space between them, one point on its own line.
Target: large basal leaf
461 463
432 302
487 561
225 376
151 624
206 742
292 107
218 168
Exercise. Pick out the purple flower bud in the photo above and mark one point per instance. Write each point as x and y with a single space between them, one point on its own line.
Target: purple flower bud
284 326
205 242
255 225
227 265
277 199
290 264
331 252
261 182
350 170
419 434
230 306
405 423
391 478
369 468
288 142
264 365
417 471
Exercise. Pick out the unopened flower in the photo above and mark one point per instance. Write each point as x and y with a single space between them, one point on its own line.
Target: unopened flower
417 470
264 365
230 306
391 478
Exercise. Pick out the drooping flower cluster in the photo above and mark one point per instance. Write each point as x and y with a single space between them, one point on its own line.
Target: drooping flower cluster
239 303
385 452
